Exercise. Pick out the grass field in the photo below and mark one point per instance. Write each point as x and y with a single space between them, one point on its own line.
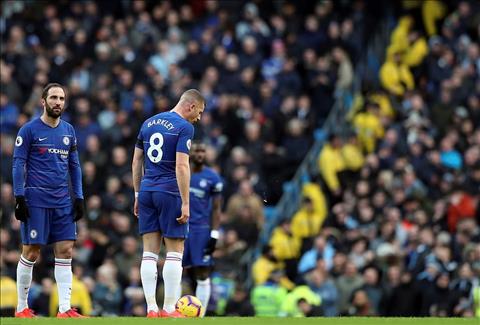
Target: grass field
245 321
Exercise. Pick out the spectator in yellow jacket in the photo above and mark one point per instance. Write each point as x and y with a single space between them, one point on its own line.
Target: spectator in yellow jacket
399 38
265 265
352 154
306 223
314 192
290 306
395 76
80 298
417 49
432 10
382 99
8 296
330 163
368 126
286 247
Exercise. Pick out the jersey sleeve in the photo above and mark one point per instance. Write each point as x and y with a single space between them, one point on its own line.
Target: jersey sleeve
139 143
217 187
75 169
185 139
23 143
20 156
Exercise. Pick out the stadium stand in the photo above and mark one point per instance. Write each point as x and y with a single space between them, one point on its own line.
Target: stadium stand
392 227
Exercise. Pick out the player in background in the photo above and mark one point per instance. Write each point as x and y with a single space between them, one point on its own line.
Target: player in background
44 158
205 207
161 180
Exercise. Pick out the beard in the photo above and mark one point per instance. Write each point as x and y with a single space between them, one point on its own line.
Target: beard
199 161
53 112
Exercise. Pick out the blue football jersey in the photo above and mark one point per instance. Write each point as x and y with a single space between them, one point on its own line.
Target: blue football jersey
204 186
49 154
161 137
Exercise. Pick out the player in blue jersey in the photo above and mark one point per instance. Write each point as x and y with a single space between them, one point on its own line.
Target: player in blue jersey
205 207
44 160
161 179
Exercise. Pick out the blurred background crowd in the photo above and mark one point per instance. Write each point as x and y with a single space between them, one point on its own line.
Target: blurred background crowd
388 226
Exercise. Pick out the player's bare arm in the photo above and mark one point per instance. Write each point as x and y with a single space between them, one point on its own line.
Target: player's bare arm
182 170
137 173
216 212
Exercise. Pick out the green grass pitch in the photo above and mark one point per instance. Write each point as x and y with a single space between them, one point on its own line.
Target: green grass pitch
244 321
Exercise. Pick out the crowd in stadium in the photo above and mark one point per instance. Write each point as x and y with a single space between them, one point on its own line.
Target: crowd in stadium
400 234
390 226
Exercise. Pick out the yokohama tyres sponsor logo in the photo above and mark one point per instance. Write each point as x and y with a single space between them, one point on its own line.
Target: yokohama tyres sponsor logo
58 151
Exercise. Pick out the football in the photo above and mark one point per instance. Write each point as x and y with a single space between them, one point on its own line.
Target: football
189 306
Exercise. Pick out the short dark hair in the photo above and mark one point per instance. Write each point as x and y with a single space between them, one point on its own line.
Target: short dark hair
193 95
197 142
52 85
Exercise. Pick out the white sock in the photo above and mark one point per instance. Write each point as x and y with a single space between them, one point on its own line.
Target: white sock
172 278
148 274
203 292
63 277
24 280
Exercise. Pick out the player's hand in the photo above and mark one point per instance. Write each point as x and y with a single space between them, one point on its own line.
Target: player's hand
185 214
79 209
21 209
135 208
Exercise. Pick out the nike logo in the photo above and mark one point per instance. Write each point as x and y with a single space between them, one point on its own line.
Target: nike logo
41 139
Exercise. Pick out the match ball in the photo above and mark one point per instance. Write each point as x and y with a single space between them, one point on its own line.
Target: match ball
189 306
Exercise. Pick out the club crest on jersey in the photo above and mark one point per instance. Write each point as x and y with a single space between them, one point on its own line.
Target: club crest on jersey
33 234
203 183
66 141
18 141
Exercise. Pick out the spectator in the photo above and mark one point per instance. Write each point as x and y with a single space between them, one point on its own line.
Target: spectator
9 112
395 76
128 258
245 196
321 250
43 300
319 282
267 298
266 265
373 289
368 126
107 295
309 310
330 163
239 304
286 248
346 285
405 298
360 304
290 305
8 295
306 223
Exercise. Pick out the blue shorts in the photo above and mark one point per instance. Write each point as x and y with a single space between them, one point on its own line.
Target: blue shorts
194 245
158 211
48 225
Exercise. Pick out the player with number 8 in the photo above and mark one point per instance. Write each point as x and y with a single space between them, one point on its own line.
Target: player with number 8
162 205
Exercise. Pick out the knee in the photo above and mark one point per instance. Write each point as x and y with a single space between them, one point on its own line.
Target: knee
65 252
202 274
174 245
30 252
202 277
